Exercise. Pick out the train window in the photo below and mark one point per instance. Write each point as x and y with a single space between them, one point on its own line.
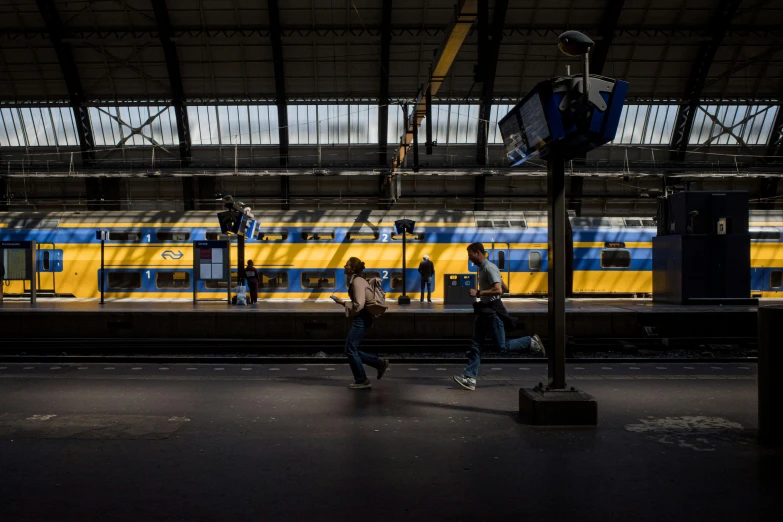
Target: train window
318 280
369 274
776 279
123 280
273 235
615 258
317 235
363 236
633 222
415 236
501 260
601 222
501 224
518 224
580 222
396 280
534 260
47 263
483 223
649 223
765 233
273 280
172 280
124 235
172 235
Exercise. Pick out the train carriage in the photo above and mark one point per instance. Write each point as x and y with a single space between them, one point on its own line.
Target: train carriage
300 254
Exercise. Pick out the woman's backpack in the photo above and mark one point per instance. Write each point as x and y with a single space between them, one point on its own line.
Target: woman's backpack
377 305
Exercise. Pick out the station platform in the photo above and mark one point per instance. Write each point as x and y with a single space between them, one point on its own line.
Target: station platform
323 319
291 442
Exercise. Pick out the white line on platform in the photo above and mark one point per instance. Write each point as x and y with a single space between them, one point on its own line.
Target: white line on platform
55 368
274 369
136 368
163 369
82 368
715 368
440 369
109 368
688 368
414 369
302 369
219 369
497 369
634 368
28 368
660 367
329 369
246 369
606 367
191 369
578 368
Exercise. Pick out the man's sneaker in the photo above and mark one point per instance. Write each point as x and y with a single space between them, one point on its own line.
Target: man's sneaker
466 382
360 385
383 368
536 346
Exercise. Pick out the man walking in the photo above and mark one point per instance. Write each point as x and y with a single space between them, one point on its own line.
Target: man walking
426 272
491 318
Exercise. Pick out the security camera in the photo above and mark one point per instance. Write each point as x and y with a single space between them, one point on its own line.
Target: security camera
574 43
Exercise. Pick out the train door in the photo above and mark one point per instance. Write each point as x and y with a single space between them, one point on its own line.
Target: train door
49 261
500 254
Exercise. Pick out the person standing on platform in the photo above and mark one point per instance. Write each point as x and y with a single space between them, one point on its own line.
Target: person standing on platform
492 318
251 276
426 272
2 280
359 291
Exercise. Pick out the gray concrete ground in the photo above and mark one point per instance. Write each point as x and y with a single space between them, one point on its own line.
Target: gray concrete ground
261 442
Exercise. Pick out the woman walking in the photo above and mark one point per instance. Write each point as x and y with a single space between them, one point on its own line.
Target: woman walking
359 292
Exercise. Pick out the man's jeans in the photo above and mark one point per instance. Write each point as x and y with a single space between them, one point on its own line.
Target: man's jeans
361 324
493 326
426 281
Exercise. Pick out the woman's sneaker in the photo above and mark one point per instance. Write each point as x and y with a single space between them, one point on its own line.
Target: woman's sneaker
383 368
360 385
536 346
466 382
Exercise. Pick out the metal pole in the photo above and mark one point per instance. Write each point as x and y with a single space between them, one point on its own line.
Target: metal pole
404 284
240 259
103 276
557 267
34 271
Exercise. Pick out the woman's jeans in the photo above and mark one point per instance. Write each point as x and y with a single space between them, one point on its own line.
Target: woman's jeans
356 359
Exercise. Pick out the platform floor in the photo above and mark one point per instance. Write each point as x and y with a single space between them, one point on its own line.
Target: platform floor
276 306
262 442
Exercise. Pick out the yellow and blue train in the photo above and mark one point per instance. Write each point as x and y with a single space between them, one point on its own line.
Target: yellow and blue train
300 254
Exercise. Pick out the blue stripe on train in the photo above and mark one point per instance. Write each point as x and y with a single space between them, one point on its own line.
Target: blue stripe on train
465 235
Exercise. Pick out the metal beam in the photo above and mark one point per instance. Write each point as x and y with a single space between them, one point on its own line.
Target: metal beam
73 83
459 27
608 28
479 192
775 147
165 34
577 189
275 36
383 99
285 193
767 192
698 77
490 38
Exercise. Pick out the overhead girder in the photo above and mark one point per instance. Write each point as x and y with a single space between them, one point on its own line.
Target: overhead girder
490 38
543 32
607 31
175 79
275 35
698 77
458 30
73 83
